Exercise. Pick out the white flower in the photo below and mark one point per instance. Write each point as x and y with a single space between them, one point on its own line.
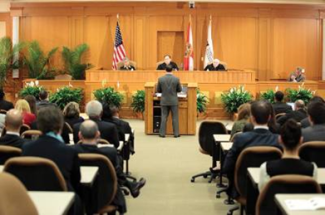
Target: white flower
36 83
276 88
32 84
231 90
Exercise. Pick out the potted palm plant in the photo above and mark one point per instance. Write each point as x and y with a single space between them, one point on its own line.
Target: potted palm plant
109 96
138 102
65 95
201 102
8 59
38 63
73 61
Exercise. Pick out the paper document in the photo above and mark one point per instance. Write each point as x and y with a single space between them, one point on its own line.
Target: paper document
316 203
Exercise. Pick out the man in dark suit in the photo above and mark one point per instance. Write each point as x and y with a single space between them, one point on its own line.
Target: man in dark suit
215 66
51 146
13 122
306 122
108 131
43 100
279 106
168 62
260 136
316 115
169 86
298 114
4 105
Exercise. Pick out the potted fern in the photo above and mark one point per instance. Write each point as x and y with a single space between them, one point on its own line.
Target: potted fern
8 61
138 102
73 61
201 102
38 63
65 95
300 94
109 96
31 88
234 98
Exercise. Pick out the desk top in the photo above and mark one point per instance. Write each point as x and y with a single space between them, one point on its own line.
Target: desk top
254 174
225 146
52 203
221 137
280 201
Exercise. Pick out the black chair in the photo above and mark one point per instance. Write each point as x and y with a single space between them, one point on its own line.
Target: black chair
250 157
283 184
7 152
313 152
105 188
37 174
208 146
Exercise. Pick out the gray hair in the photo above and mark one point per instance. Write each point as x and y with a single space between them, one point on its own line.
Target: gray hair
94 109
88 129
300 104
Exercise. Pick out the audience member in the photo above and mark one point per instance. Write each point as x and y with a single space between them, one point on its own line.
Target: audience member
260 136
71 113
23 106
89 135
290 139
279 106
44 100
244 112
316 115
4 105
51 146
274 127
305 122
32 104
108 131
13 122
298 114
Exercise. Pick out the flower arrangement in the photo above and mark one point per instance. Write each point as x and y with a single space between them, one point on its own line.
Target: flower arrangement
65 95
109 96
301 94
32 88
234 98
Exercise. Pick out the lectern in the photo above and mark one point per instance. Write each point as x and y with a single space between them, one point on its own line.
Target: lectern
186 111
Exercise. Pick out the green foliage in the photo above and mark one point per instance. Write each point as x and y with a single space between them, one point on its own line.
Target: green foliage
201 102
109 96
7 58
38 64
31 89
269 96
234 98
72 61
302 94
138 101
65 95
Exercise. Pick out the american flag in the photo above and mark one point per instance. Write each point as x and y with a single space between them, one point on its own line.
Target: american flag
119 51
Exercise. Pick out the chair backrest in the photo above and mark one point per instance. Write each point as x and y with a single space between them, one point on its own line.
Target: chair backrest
14 199
279 115
284 184
313 152
103 141
107 179
37 174
23 128
206 131
31 134
252 157
7 152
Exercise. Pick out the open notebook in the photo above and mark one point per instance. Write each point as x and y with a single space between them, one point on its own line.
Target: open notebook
316 203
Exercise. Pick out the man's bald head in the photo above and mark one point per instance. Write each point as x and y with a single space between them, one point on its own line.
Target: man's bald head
299 104
89 131
13 120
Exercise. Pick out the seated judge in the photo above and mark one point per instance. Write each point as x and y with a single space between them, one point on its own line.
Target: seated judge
167 62
215 66
298 75
290 139
127 65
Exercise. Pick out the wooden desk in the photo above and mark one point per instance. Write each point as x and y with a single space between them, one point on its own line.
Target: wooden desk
52 203
280 202
186 111
225 146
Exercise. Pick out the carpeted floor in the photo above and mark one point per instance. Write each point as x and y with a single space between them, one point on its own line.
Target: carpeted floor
168 164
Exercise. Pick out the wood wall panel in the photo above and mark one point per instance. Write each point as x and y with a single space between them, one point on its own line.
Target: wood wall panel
268 38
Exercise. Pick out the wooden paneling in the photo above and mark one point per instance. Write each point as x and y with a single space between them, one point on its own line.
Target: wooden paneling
271 39
6 18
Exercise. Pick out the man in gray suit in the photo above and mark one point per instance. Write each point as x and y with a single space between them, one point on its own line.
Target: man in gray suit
316 115
169 86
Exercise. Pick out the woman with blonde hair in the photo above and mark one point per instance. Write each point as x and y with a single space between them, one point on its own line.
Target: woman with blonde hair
244 112
71 113
23 106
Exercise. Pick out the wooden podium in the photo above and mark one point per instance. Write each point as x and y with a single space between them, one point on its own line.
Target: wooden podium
186 111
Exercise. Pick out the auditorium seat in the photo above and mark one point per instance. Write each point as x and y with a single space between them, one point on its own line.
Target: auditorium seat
7 152
313 152
285 184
